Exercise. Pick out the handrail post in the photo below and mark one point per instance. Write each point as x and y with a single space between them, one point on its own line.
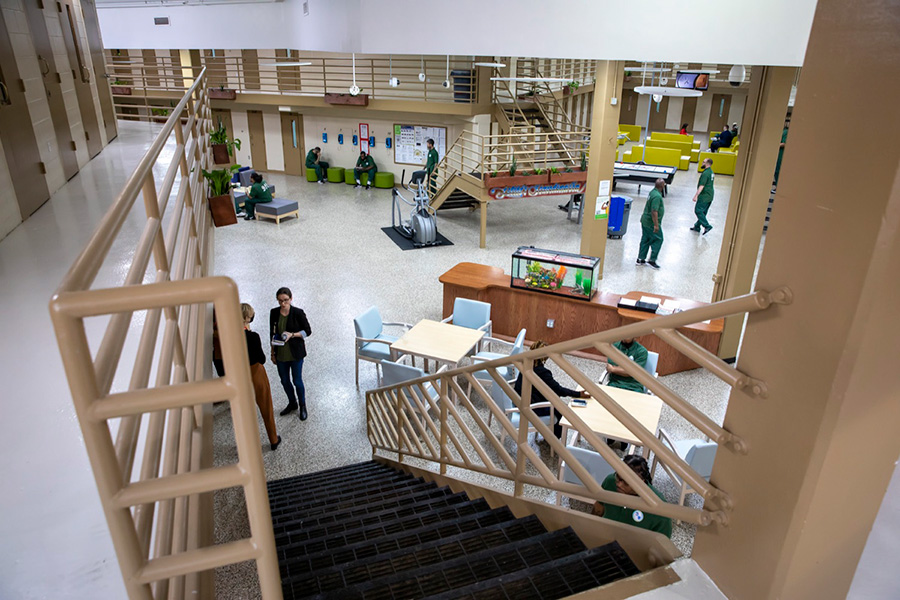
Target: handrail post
522 439
445 455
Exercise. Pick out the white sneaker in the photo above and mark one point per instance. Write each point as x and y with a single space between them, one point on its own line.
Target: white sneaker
321 182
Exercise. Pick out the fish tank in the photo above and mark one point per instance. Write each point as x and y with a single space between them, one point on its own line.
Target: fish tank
552 272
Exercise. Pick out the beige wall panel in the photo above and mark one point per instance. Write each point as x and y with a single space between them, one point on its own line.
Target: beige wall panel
274 144
701 115
242 132
640 115
736 110
673 116
233 57
10 216
268 73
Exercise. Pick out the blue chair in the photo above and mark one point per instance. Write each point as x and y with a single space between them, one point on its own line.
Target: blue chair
395 372
505 403
372 344
508 372
595 464
471 314
698 454
649 366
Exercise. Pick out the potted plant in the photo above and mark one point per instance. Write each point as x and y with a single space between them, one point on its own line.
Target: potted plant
117 87
159 114
221 204
570 88
222 93
222 148
567 175
516 178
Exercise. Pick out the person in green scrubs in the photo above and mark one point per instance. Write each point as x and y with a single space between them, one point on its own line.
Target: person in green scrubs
704 197
313 162
431 166
619 377
651 226
638 518
781 150
259 194
365 164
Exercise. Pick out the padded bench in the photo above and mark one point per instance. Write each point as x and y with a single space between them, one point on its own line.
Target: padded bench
277 209
350 177
335 175
384 180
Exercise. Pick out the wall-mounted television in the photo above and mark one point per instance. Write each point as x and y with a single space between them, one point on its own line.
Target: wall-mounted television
692 81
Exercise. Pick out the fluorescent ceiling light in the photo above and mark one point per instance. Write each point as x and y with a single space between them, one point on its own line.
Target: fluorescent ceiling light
547 79
707 71
285 64
647 70
490 64
667 91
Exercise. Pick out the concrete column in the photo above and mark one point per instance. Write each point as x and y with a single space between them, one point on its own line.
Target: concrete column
761 130
823 444
604 143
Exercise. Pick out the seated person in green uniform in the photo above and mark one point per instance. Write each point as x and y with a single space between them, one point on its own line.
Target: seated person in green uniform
431 167
313 162
365 164
259 194
619 377
638 518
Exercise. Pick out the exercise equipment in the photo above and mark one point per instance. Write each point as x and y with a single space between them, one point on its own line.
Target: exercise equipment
421 228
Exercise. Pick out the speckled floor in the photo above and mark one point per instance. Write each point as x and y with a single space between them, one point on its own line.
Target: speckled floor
338 262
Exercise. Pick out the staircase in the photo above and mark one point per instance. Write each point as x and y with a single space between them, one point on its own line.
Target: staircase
369 531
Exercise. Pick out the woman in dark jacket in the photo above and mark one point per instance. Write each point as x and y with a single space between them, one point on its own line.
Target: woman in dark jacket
288 330
261 388
547 377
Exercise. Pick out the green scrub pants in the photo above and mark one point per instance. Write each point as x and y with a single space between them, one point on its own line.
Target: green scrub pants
371 175
321 169
250 205
651 242
700 209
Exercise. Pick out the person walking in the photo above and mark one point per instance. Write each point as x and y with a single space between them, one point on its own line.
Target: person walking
261 389
313 162
431 167
365 164
651 226
704 197
288 330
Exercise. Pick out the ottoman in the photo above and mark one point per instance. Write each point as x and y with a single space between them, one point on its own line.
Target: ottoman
311 175
277 209
335 174
384 179
350 177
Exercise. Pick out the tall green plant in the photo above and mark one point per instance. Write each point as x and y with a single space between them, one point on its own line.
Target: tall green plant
583 161
219 180
513 166
220 136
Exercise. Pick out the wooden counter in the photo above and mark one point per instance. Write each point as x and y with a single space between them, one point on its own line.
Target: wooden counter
515 308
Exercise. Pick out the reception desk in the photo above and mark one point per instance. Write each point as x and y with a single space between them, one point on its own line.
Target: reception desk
514 308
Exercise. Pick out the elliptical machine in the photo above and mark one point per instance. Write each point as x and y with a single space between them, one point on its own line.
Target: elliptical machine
421 227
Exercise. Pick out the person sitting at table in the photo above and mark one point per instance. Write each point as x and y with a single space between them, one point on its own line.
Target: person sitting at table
684 129
365 164
259 194
723 140
313 162
614 483
619 377
547 377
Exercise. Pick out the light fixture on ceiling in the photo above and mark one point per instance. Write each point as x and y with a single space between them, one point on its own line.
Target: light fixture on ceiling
495 65
657 90
646 70
546 79
354 89
446 83
392 81
285 64
422 72
657 98
736 75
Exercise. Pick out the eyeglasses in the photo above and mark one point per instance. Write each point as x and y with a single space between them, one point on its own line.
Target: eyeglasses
283 300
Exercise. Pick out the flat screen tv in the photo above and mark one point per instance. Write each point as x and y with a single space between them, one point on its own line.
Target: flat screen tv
692 81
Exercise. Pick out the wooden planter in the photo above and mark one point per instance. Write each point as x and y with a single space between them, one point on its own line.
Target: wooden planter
575 175
347 99
222 209
222 94
220 154
516 180
119 90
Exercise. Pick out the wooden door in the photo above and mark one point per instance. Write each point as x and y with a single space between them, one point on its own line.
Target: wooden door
718 112
95 48
628 110
658 112
82 75
257 140
37 23
17 134
292 140
688 110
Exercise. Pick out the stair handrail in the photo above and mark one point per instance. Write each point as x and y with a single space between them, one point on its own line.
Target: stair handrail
464 157
399 417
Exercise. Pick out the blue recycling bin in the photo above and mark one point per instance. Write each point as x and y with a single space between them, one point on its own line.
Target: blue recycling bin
619 211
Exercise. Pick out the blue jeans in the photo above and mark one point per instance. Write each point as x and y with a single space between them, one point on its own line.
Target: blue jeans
285 372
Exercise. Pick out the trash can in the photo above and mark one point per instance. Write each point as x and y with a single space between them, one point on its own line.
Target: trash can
619 211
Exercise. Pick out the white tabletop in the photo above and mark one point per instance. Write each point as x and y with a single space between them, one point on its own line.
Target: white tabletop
438 341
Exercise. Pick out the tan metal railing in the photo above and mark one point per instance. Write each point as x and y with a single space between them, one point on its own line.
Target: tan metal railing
404 419
160 514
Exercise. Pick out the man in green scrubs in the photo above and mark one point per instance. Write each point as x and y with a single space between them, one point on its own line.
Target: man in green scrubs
365 164
619 377
651 226
431 166
313 162
637 518
781 150
704 197
259 194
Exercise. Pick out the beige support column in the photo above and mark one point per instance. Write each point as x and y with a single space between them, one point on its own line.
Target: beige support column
761 129
604 143
824 443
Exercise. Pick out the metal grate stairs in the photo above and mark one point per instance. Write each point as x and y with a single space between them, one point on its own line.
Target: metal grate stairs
367 531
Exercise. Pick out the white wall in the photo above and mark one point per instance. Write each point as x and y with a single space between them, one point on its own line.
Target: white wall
10 216
702 112
736 110
764 32
874 578
274 144
673 116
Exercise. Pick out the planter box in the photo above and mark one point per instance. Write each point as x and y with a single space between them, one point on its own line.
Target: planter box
222 209
347 99
119 90
567 177
222 94
516 181
220 154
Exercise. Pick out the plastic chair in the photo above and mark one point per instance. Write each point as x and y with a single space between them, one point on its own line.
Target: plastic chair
649 366
471 314
698 454
505 403
508 372
372 344
590 460
395 372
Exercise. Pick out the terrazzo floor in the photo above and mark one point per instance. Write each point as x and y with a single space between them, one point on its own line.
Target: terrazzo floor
338 262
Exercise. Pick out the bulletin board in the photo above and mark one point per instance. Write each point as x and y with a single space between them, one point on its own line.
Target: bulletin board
409 143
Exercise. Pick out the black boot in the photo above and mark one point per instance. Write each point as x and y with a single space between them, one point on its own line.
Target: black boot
289 409
303 413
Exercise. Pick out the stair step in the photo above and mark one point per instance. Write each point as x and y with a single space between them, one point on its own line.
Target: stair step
384 519
361 497
328 479
314 496
555 579
337 471
344 573
464 571
362 481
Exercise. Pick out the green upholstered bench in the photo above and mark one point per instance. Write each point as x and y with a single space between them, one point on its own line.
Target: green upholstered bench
311 174
335 174
384 179
350 177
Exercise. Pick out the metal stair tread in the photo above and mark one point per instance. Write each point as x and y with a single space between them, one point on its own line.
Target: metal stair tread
308 477
300 498
360 479
362 497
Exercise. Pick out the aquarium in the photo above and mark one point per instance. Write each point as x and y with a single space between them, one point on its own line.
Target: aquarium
560 273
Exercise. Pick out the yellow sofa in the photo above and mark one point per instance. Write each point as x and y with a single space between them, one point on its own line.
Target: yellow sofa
677 137
632 131
656 156
684 146
723 162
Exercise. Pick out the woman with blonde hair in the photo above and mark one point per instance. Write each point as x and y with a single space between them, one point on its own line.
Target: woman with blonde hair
261 388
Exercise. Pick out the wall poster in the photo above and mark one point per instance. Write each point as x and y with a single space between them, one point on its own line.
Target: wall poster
409 143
